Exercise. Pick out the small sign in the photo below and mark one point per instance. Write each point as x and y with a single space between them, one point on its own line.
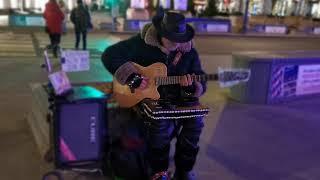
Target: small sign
140 4
73 61
276 29
308 79
316 30
166 4
35 21
180 5
217 28
60 82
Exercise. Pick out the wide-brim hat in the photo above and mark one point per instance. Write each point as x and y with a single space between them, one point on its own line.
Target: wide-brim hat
173 26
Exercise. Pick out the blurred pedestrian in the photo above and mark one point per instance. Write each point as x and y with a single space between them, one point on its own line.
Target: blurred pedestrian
65 12
53 17
81 19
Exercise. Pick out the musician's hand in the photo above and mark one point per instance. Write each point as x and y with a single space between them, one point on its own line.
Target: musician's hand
144 83
186 80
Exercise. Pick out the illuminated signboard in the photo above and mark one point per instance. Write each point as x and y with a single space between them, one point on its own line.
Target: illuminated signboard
140 4
35 21
295 80
166 4
276 29
180 5
308 81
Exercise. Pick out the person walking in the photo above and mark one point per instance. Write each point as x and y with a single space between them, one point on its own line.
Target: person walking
53 17
81 19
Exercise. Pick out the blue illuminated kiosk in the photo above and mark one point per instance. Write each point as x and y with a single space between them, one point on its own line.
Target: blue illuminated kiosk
277 76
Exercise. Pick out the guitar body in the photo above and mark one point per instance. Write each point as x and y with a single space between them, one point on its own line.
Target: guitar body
123 95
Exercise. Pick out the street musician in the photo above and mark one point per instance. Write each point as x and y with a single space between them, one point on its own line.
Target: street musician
167 40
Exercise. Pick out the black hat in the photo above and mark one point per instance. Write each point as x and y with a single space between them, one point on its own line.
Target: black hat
173 26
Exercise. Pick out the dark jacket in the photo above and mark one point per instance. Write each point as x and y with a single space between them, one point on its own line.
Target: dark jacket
144 49
80 17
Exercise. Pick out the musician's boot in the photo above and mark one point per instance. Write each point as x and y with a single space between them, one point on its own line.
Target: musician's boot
187 148
184 162
184 175
163 175
158 162
158 143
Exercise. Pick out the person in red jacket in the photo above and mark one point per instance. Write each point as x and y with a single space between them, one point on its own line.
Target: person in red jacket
54 18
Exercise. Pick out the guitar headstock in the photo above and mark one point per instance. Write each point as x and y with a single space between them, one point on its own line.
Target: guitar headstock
232 76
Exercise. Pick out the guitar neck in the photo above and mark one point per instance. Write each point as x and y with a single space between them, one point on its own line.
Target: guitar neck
176 79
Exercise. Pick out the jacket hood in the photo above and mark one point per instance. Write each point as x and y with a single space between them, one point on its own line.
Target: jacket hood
52 7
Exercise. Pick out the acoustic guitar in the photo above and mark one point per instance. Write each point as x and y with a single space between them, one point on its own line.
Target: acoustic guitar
157 75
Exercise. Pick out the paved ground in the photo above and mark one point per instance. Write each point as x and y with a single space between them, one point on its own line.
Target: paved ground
239 142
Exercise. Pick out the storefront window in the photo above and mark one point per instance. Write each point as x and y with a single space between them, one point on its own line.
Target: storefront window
228 6
219 5
14 4
234 6
40 4
27 4
315 10
256 7
287 7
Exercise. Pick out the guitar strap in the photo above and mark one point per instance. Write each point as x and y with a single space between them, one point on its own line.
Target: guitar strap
177 58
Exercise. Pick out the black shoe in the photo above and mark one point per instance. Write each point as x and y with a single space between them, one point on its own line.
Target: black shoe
161 176
181 175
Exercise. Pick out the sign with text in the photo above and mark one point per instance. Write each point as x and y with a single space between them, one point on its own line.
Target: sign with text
60 82
308 79
73 61
180 5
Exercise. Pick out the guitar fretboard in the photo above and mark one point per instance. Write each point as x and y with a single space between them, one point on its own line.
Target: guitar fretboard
176 79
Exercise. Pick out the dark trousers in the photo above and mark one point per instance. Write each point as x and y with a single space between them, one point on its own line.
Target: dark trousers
159 135
84 39
54 42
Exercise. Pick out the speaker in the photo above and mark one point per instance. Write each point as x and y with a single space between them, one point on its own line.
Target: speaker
80 127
